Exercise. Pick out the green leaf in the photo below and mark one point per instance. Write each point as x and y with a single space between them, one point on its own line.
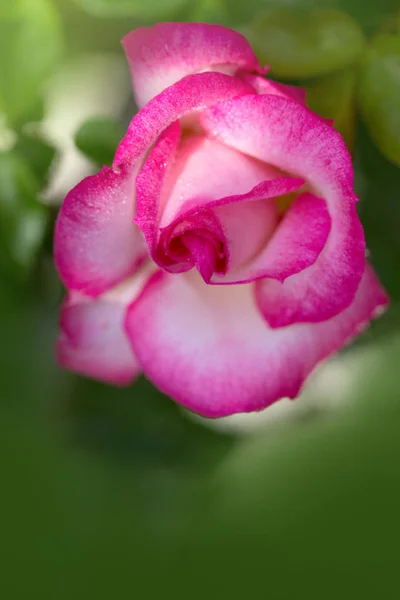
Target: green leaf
379 94
334 97
38 154
152 9
302 44
149 431
23 219
30 46
34 115
390 25
98 138
210 11
379 209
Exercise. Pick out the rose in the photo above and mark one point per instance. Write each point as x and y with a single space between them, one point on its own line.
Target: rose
222 254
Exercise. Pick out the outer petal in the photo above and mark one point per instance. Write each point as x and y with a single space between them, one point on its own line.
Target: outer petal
165 53
267 86
96 243
209 348
186 97
92 339
295 140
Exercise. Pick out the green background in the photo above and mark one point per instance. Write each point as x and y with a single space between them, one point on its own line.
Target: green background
120 493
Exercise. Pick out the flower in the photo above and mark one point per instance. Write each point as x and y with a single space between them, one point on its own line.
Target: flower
221 255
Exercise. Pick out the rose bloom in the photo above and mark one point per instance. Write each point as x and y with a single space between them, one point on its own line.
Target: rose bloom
221 255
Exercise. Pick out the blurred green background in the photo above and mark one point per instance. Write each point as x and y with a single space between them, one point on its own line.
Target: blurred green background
120 493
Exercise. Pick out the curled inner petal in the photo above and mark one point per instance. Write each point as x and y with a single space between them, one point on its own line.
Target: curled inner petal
204 205
197 241
202 251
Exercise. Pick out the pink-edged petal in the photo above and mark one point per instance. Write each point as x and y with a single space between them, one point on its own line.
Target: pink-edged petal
267 86
203 254
247 226
178 186
243 223
187 97
209 348
161 55
92 340
299 239
196 241
205 171
295 245
96 243
289 136
151 191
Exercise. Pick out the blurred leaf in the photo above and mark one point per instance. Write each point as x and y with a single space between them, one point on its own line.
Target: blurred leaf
30 46
209 11
38 153
23 219
301 44
98 138
333 97
370 14
141 427
133 8
328 482
391 25
379 209
379 94
85 33
35 114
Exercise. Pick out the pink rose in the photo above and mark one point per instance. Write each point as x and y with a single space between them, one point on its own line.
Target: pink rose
221 255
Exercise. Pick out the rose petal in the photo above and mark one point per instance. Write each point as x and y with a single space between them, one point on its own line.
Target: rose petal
247 227
96 243
205 174
268 86
186 97
209 348
292 138
295 245
179 251
92 339
161 55
206 171
203 254
151 194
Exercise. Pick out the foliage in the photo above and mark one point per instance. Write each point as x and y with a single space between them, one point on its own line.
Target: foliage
379 94
30 46
301 44
98 138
